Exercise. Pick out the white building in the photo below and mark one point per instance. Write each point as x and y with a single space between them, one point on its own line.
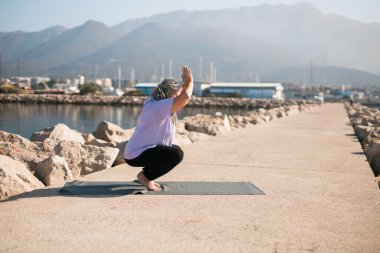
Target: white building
21 81
146 88
67 88
104 82
39 79
248 90
80 80
199 88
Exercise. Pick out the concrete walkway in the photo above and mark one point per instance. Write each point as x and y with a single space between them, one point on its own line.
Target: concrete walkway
320 197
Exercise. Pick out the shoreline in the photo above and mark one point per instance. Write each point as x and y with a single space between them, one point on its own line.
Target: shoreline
206 102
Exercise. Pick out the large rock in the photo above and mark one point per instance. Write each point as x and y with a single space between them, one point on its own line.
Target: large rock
119 145
101 143
20 149
254 117
110 132
195 136
291 110
281 114
84 159
373 156
362 132
374 135
238 121
88 137
15 178
54 170
120 156
181 139
57 133
207 124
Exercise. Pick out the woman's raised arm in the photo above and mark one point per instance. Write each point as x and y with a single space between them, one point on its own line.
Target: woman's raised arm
187 90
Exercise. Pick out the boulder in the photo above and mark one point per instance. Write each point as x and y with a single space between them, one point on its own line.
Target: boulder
351 112
84 159
291 110
181 139
226 123
218 114
273 113
120 156
195 136
207 124
88 137
110 132
57 133
367 120
374 135
281 114
261 111
237 121
20 149
252 117
258 121
54 170
373 156
101 143
184 137
15 178
120 145
362 132
265 117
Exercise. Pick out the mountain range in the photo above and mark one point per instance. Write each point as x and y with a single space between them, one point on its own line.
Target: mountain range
273 42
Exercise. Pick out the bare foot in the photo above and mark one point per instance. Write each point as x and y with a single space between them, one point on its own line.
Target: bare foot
149 184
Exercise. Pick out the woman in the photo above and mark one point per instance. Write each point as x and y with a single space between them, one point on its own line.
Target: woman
151 146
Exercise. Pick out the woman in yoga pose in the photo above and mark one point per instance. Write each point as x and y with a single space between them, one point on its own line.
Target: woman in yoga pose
151 145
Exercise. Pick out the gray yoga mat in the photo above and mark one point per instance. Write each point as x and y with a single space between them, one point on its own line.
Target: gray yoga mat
91 188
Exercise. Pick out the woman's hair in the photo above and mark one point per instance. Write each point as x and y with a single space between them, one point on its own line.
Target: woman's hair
165 89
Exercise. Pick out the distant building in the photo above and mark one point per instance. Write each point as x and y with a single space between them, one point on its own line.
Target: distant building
199 88
80 80
67 88
37 80
248 90
104 82
301 93
21 81
146 88
339 94
359 95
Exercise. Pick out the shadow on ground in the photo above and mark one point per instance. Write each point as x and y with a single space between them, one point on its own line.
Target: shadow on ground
358 153
105 191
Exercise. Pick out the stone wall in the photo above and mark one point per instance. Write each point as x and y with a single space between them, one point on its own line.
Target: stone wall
366 124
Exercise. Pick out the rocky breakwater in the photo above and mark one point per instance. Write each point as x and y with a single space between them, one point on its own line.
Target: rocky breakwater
366 124
52 156
206 102
58 154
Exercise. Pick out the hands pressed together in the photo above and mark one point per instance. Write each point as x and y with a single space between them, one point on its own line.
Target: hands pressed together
187 77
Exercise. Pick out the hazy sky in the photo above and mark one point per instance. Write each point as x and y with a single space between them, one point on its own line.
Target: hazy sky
34 15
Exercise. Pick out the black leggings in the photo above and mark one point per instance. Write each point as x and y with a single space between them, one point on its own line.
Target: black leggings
157 161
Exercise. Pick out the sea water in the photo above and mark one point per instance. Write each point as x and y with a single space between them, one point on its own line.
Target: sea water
25 119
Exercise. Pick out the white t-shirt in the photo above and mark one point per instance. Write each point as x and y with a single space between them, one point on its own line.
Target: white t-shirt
154 127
